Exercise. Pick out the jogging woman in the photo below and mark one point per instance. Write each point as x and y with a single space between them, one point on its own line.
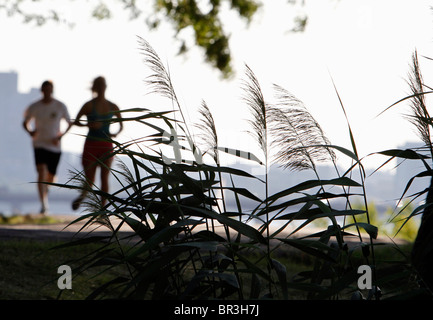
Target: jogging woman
98 146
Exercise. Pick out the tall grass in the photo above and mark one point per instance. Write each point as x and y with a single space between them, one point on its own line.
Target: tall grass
420 118
188 243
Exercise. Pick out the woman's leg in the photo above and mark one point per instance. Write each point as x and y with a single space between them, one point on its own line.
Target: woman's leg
42 187
89 166
105 178
89 173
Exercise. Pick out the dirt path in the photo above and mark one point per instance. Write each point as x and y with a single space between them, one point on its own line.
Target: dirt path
62 231
66 231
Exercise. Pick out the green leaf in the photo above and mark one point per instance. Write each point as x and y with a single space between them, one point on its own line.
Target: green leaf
281 271
342 283
218 169
244 192
104 287
209 236
369 228
83 241
406 98
138 227
427 173
343 181
400 153
226 278
241 154
239 226
418 210
162 236
316 213
202 245
345 151
308 198
312 247
255 286
253 267
404 154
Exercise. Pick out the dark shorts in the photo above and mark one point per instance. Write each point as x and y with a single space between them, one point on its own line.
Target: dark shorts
96 152
50 158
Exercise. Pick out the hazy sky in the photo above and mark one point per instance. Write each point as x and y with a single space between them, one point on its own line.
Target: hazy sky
365 45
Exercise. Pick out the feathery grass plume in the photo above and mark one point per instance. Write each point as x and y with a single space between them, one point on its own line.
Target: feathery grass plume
125 172
255 100
208 134
297 136
420 116
160 80
92 201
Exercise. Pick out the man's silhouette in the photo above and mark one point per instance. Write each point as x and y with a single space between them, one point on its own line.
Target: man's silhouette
46 115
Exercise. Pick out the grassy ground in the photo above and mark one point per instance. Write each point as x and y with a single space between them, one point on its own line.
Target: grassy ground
28 219
28 269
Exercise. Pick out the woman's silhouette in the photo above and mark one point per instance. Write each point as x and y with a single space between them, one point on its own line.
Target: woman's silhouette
98 146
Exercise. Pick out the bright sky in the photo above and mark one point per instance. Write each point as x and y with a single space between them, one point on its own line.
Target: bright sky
366 45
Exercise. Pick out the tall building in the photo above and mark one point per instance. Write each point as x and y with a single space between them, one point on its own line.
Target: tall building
16 160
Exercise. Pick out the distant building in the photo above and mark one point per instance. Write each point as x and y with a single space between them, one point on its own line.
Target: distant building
17 155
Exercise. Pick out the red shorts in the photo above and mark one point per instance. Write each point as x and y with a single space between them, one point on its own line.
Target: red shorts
96 152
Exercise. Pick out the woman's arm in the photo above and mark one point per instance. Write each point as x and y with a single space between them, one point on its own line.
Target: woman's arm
117 114
83 111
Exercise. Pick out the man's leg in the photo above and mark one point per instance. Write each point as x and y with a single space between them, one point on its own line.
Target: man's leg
52 160
42 187
51 178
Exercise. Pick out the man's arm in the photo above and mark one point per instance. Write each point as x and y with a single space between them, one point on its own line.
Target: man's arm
27 119
70 124
67 118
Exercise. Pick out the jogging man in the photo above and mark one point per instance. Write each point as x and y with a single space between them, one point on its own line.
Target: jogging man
46 115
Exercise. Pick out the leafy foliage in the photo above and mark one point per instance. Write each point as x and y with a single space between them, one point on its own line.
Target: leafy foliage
202 18
420 114
188 243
